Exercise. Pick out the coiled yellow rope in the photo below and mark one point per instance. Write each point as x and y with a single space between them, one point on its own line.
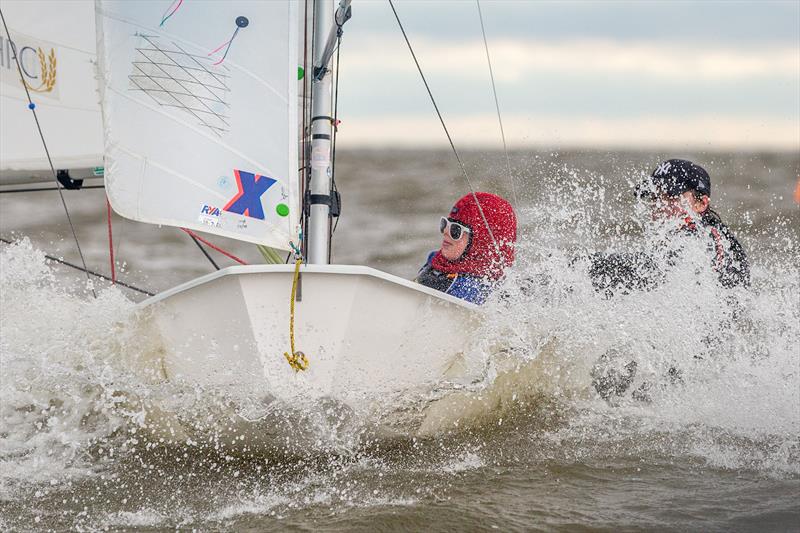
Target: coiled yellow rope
297 360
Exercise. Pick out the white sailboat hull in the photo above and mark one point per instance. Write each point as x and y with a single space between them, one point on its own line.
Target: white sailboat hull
370 337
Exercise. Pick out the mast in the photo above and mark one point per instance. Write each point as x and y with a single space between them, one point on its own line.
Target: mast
319 199
327 31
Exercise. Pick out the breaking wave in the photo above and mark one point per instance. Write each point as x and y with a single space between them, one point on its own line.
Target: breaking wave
84 411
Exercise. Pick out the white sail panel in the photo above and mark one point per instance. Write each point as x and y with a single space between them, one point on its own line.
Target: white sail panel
56 46
200 113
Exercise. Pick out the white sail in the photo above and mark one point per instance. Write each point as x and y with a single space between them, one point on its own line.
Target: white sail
56 47
200 114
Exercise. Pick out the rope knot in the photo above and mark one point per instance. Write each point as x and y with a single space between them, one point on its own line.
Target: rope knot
298 360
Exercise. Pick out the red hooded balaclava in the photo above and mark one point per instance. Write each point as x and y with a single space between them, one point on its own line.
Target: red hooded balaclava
481 258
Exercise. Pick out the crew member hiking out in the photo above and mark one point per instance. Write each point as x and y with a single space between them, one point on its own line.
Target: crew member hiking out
680 191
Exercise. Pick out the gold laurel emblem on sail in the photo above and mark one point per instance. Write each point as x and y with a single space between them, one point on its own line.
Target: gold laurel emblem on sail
47 68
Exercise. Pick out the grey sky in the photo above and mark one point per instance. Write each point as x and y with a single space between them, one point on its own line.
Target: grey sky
705 21
612 65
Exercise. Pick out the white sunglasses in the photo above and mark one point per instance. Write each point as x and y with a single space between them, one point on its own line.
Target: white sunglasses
455 229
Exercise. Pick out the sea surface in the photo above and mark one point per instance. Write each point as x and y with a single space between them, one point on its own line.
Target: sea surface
714 445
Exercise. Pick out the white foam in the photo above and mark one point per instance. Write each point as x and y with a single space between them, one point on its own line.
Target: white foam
69 387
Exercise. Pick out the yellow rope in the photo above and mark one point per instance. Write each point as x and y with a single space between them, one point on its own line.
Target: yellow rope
297 360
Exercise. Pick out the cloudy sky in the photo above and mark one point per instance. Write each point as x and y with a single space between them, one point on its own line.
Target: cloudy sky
598 74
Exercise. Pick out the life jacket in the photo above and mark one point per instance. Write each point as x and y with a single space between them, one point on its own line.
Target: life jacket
470 288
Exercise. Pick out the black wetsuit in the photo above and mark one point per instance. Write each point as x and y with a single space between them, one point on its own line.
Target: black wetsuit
730 261
639 271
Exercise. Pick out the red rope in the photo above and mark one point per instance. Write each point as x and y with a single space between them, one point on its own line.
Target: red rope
213 247
110 242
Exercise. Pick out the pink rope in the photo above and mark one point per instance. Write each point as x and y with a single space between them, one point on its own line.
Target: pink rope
220 47
223 45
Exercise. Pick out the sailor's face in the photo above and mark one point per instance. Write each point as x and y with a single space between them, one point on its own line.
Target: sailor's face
452 249
668 207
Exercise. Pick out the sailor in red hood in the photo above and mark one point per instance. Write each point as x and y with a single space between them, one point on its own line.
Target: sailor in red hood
478 240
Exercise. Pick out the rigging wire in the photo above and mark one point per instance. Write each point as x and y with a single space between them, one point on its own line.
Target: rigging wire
446 132
32 107
335 125
497 104
205 253
88 272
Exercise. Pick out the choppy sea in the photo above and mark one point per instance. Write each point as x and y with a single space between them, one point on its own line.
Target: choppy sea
532 446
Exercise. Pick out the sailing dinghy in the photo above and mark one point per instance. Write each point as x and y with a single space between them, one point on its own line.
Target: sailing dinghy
210 136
